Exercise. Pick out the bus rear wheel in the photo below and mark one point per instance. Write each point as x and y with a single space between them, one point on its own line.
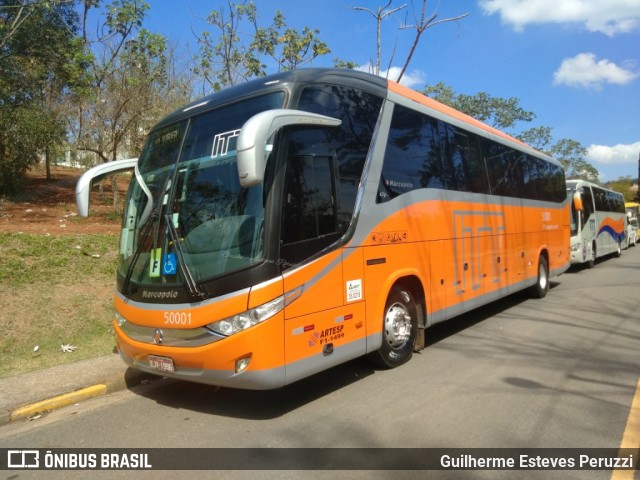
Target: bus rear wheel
540 289
400 329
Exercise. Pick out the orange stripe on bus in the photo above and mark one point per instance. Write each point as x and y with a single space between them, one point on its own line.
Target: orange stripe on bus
451 112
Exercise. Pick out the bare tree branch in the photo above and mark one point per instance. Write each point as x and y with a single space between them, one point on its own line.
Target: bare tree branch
420 26
380 15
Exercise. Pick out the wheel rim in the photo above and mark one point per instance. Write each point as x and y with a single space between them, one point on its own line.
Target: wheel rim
397 325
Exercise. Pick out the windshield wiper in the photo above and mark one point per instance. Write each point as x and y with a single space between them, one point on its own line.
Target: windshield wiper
175 239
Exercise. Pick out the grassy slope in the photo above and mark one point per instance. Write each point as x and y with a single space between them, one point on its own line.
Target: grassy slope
55 290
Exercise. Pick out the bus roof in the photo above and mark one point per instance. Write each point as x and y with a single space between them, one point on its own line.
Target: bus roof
573 183
279 81
373 83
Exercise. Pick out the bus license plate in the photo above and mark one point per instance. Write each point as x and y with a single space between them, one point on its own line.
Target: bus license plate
164 364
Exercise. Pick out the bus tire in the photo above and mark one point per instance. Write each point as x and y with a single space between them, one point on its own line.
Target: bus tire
618 252
592 259
540 289
399 329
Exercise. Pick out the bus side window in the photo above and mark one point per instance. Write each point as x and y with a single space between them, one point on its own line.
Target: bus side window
412 158
350 142
463 160
309 220
309 205
504 169
587 203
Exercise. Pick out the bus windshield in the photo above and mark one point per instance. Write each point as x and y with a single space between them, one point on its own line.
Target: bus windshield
187 219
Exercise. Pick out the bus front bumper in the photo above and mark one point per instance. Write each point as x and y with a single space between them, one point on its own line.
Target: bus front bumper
225 363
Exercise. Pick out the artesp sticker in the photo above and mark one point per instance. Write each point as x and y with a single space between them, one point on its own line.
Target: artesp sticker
354 290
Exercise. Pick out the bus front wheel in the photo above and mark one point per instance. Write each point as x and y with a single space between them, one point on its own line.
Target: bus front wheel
540 289
592 259
399 329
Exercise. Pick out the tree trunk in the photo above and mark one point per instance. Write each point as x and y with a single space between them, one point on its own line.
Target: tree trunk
47 162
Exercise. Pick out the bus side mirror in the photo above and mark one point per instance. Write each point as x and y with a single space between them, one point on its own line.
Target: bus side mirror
577 201
83 187
252 144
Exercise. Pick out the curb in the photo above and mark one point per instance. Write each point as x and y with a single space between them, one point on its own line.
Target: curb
120 379
26 411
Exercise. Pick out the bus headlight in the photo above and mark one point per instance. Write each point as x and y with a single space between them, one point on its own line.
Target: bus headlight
120 319
244 320
576 247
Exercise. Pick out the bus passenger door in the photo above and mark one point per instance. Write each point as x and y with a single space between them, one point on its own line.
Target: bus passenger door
309 224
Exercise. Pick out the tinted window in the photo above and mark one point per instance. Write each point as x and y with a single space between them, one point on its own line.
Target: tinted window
607 200
600 199
504 167
426 153
587 199
587 204
412 158
350 141
309 207
463 160
557 184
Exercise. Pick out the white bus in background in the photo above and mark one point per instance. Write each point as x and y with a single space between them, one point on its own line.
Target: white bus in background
598 222
633 217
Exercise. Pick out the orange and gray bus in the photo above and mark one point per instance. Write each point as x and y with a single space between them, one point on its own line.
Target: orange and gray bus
284 226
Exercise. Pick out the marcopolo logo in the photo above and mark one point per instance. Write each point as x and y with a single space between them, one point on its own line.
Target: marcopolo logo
159 295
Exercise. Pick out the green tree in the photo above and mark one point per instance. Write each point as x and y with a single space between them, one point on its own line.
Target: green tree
289 48
442 92
501 113
228 56
539 138
571 155
39 64
623 185
134 84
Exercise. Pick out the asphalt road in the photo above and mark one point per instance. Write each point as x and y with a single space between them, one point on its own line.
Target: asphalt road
560 372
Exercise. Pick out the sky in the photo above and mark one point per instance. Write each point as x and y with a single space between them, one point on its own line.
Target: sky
574 63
